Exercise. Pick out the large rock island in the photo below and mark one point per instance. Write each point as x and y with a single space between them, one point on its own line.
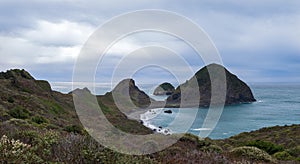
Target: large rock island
237 91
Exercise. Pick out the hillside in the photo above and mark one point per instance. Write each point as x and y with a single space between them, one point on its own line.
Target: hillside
34 102
39 125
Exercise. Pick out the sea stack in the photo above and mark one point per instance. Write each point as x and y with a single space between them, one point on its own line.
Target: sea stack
164 89
237 91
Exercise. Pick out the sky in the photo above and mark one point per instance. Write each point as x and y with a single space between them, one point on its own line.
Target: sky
259 41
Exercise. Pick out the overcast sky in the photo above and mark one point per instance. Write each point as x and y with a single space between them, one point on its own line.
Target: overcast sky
259 41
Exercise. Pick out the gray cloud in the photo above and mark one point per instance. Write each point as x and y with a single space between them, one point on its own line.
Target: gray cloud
255 38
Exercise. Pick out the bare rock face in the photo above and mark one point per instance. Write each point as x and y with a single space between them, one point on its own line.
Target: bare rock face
237 91
164 89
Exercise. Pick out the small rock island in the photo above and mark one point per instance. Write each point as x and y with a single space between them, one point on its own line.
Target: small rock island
164 89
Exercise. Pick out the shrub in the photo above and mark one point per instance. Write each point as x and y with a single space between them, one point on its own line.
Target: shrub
73 129
14 151
213 148
52 126
18 122
46 143
189 138
11 148
29 136
11 100
295 151
202 143
39 119
19 112
50 138
283 155
252 153
42 143
269 147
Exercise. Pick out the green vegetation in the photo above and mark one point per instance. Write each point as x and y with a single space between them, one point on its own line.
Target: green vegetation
251 153
44 85
282 142
269 147
14 151
74 129
283 155
19 112
295 151
14 73
54 107
206 144
39 119
11 100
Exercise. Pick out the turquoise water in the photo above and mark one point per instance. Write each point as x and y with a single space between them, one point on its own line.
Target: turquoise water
277 104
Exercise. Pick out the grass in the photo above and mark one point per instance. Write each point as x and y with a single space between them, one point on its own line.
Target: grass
54 107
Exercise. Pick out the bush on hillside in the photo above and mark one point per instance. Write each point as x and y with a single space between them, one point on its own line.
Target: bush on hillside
269 147
283 155
73 129
19 112
39 119
251 153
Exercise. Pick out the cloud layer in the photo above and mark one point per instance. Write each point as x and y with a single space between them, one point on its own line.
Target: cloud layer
257 40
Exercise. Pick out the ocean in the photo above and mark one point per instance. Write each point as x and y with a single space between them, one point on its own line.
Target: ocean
277 104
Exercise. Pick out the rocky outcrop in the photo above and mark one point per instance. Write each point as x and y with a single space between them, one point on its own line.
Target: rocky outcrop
164 89
15 73
126 92
78 90
23 81
237 91
168 111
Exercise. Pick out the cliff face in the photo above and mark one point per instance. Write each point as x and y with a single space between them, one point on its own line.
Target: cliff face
164 89
237 91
